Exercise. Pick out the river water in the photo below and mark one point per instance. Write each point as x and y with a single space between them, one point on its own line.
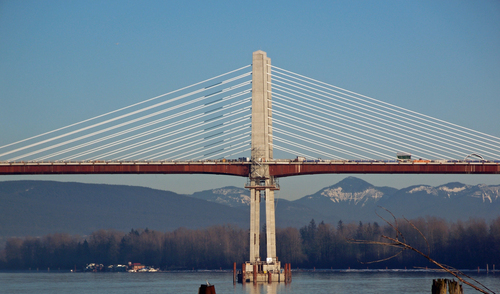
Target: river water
311 282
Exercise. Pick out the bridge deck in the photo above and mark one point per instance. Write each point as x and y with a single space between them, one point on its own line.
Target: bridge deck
165 167
238 168
382 167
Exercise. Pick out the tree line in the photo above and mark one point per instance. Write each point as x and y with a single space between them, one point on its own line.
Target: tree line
463 245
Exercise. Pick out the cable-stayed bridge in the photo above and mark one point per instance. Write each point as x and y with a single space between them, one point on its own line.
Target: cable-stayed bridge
262 122
207 127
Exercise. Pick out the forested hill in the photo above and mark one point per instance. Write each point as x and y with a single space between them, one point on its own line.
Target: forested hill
36 208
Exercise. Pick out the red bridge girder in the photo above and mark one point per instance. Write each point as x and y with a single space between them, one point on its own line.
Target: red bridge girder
234 169
295 169
242 169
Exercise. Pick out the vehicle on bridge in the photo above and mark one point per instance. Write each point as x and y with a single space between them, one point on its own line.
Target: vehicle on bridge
403 156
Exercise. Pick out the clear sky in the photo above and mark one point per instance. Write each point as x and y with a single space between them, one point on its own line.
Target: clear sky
65 61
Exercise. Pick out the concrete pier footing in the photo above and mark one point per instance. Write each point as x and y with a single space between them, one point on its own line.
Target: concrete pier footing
261 273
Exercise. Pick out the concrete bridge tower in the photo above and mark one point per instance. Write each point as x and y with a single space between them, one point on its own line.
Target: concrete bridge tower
261 184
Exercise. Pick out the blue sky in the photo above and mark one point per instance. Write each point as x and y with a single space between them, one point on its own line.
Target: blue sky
65 61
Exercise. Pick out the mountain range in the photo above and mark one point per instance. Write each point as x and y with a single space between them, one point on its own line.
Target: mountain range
37 208
353 199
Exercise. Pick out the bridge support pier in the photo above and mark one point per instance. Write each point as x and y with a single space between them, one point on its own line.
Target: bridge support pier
254 224
261 183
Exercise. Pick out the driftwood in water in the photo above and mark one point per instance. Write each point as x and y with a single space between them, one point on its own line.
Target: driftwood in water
206 289
235 276
288 273
443 286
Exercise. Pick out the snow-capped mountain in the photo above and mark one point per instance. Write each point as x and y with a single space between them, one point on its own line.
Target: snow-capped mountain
357 198
353 191
353 199
451 201
487 193
454 191
230 196
349 199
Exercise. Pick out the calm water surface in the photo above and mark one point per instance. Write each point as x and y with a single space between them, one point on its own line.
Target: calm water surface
189 282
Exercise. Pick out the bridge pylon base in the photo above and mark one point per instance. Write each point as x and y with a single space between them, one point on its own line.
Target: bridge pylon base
261 272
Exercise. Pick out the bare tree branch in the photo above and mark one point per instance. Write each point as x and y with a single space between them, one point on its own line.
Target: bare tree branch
403 245
427 242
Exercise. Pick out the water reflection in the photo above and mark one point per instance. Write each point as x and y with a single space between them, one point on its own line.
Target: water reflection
263 288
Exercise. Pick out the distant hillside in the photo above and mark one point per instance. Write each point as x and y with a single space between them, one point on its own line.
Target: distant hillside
38 208
41 207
